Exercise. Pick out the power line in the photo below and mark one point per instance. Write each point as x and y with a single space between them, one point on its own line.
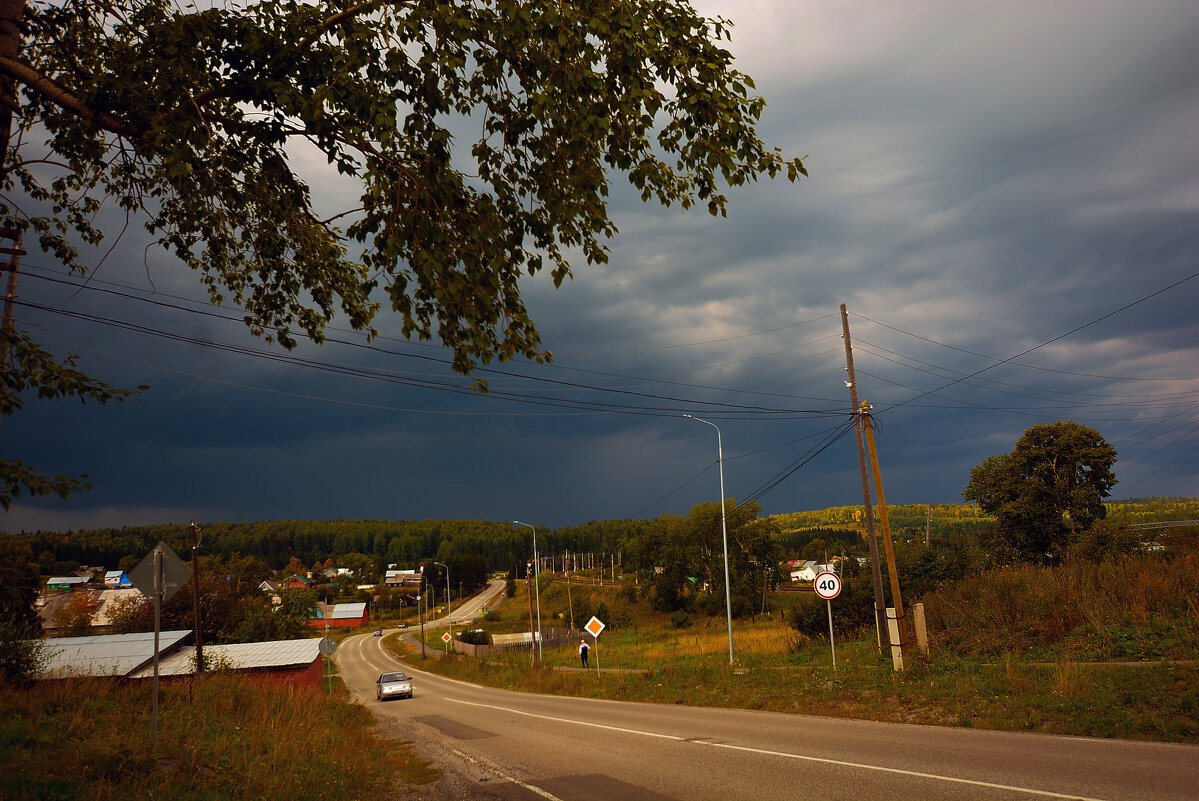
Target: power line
1075 330
1036 367
833 436
714 408
565 385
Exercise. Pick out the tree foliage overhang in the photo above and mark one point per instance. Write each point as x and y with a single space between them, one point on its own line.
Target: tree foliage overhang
185 117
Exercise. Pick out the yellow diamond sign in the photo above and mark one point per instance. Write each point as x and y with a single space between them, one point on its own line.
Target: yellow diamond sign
594 626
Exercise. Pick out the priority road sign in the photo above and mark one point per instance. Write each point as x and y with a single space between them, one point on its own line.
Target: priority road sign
174 573
594 626
446 637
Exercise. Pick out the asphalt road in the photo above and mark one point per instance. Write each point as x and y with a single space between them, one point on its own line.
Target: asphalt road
499 744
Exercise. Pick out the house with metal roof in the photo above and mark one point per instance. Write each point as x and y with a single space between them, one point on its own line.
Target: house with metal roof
296 663
131 656
402 578
339 616
67 582
107 654
116 579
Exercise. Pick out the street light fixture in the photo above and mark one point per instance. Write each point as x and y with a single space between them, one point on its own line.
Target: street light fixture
724 533
449 605
536 584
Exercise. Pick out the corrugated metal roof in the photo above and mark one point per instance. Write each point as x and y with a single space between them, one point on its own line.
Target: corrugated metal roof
347 611
67 580
244 656
106 654
107 597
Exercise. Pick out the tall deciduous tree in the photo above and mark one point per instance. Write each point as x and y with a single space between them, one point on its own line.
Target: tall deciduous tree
74 618
19 584
680 556
201 121
1050 487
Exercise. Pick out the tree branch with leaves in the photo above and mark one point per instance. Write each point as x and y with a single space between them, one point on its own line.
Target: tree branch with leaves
185 117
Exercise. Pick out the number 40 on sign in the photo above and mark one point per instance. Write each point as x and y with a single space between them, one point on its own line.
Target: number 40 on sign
828 587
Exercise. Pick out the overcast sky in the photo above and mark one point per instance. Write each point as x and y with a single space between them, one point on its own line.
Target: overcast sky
1005 196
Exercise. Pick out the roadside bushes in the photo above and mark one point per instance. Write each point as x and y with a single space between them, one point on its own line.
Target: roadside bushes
475 637
1140 607
853 609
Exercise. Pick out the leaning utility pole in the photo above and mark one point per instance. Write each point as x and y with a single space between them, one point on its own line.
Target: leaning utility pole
898 639
880 612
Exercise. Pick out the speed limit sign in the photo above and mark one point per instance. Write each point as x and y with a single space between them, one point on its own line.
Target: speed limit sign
827 586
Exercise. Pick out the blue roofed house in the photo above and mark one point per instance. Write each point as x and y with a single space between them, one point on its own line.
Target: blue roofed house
117 580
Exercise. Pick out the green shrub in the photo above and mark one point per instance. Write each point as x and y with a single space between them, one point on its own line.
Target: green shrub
853 610
680 620
475 637
22 658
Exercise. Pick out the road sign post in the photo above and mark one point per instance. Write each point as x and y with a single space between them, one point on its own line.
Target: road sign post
446 639
594 627
828 587
327 646
158 575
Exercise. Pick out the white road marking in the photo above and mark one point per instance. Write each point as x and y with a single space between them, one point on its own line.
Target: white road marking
801 757
505 776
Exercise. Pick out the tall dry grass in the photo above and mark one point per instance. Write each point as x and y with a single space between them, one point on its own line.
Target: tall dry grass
219 737
1139 607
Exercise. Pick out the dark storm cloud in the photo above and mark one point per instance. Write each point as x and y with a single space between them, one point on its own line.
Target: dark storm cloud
985 176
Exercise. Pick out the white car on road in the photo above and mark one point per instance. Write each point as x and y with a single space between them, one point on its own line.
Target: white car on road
393 685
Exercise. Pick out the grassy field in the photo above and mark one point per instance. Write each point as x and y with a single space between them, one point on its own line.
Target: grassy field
1095 650
219 737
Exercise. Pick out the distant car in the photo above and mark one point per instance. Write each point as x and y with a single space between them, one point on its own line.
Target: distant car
378 632
403 625
393 685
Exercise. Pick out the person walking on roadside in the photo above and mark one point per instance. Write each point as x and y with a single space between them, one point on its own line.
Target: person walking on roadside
583 649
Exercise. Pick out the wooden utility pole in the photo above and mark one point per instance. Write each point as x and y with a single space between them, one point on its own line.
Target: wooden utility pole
888 546
534 632
880 612
12 266
10 47
194 534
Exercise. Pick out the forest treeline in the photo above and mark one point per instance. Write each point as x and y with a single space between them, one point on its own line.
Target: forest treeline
402 543
502 545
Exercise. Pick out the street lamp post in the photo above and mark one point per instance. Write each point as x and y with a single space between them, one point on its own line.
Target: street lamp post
420 609
536 584
724 533
449 605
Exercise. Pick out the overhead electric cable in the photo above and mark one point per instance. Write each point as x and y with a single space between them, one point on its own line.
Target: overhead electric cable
497 372
714 408
1072 331
1046 369
866 345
